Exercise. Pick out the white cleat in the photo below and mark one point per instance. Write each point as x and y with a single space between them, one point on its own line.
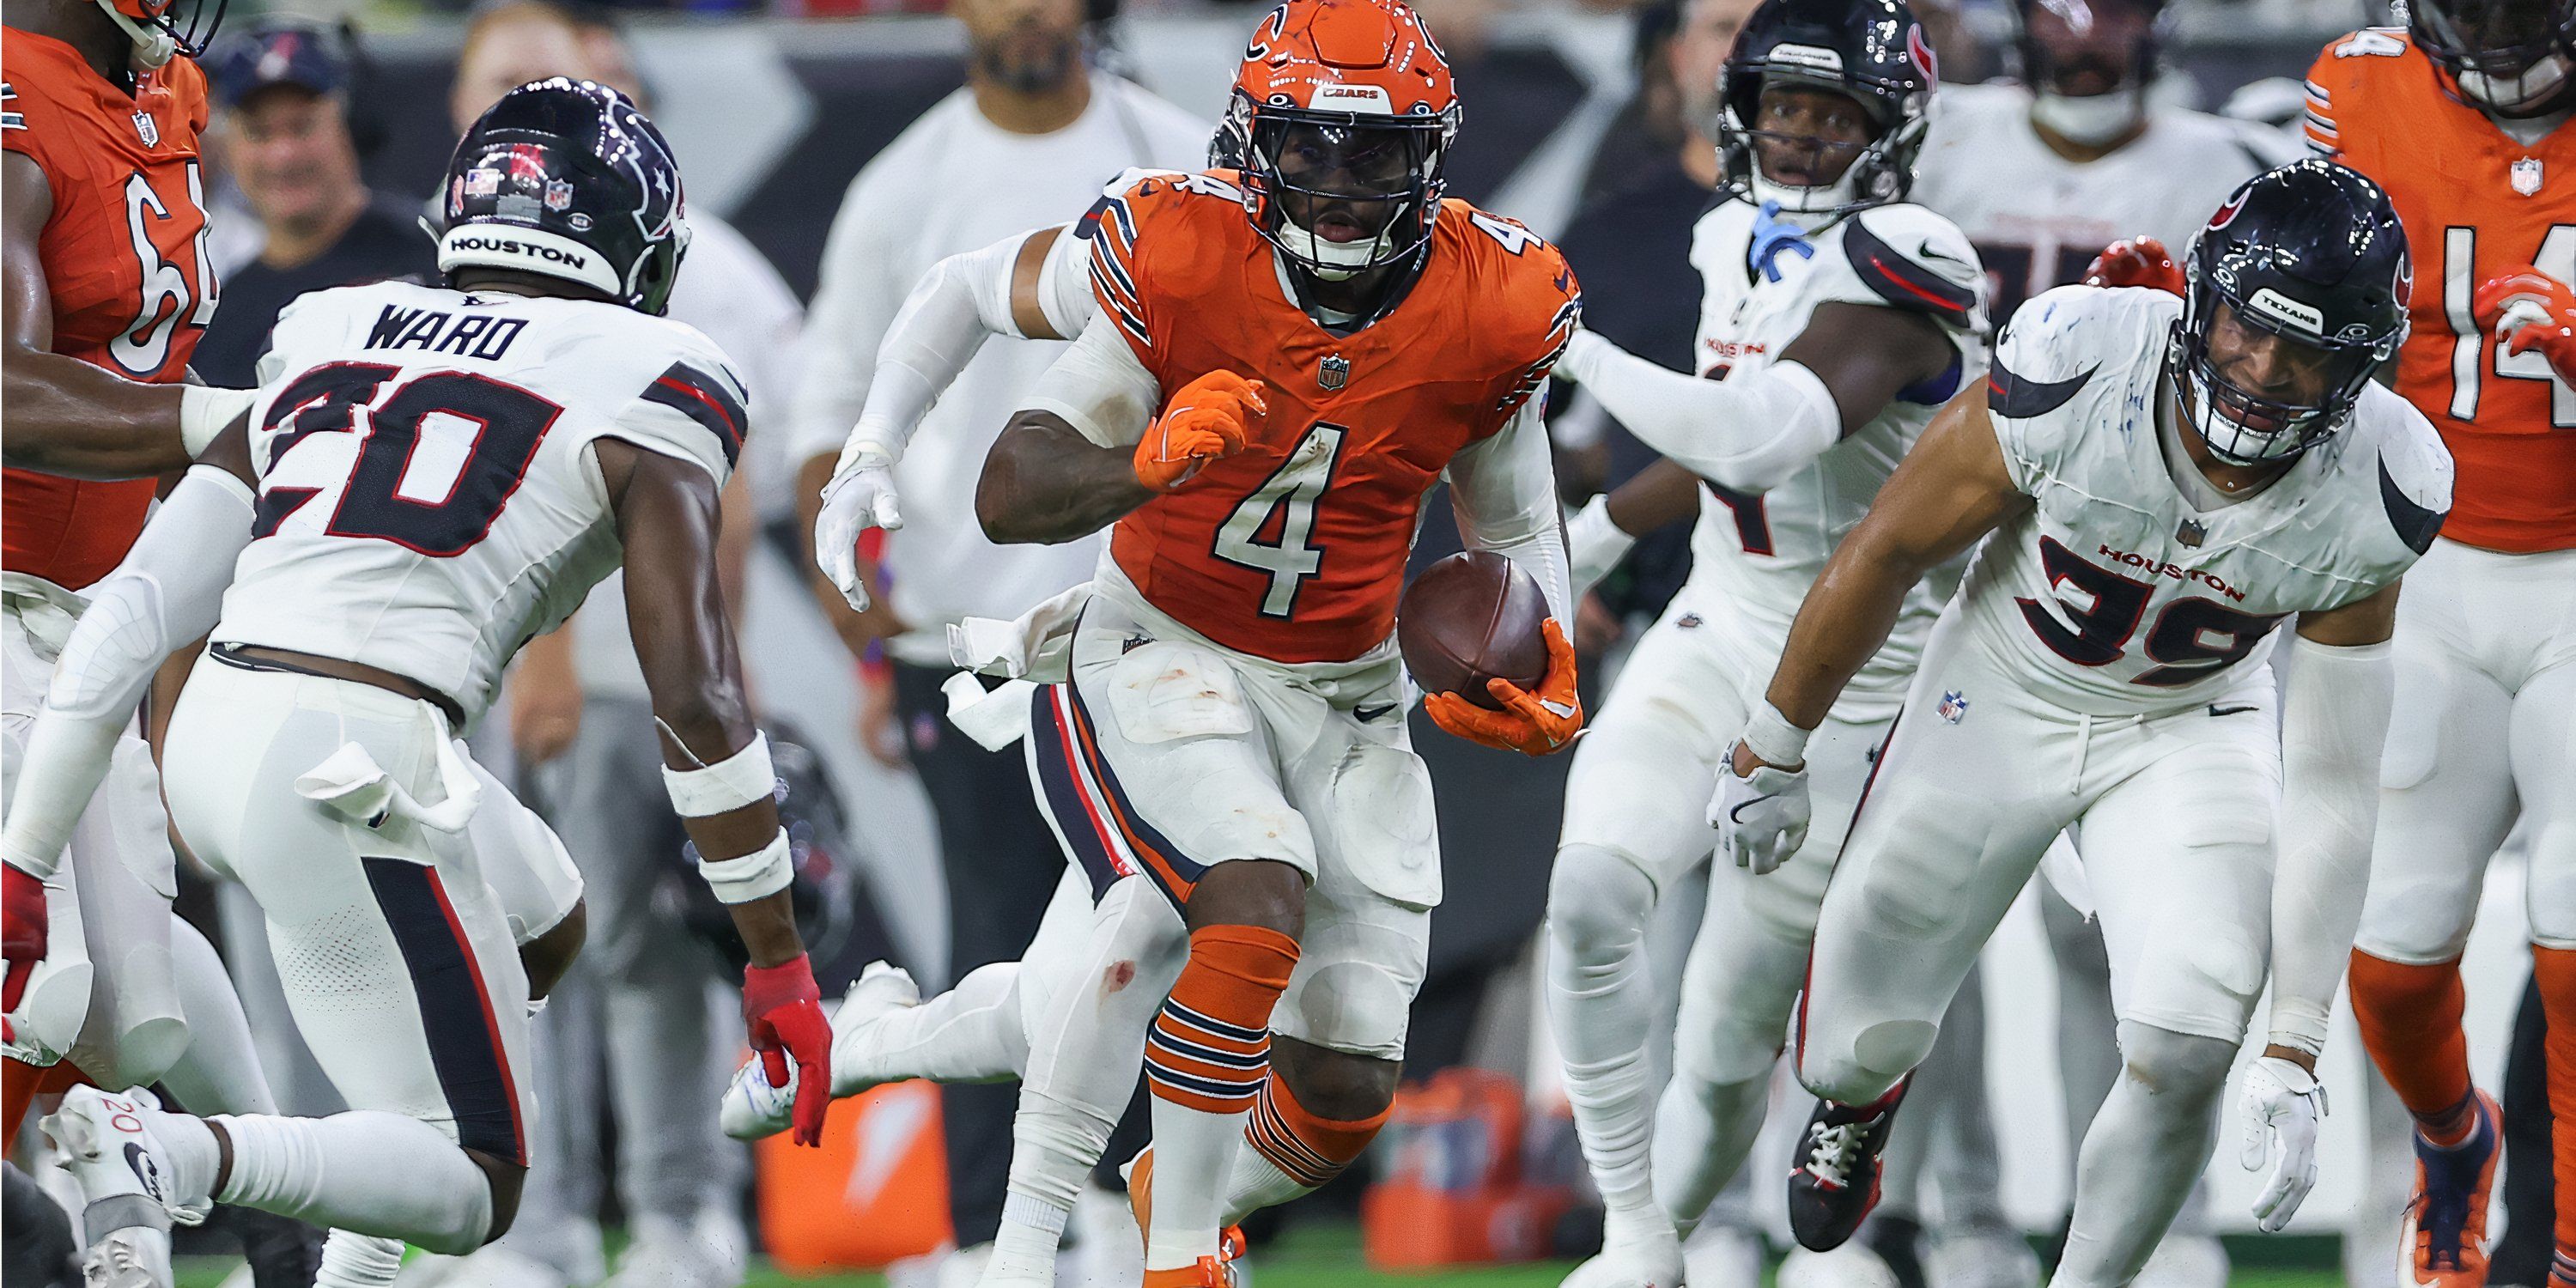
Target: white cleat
1723 1256
753 1109
1982 1259
1648 1263
126 1183
2185 1261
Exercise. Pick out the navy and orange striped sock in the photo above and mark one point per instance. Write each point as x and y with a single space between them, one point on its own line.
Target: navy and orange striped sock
1205 1062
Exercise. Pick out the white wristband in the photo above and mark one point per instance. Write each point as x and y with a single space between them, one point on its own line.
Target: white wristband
205 411
756 875
1769 735
725 786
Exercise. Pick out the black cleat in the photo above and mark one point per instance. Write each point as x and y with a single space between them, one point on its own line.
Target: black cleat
1835 1183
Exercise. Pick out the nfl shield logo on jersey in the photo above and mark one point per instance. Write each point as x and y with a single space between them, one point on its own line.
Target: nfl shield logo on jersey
2191 532
1954 706
149 131
1334 373
2526 176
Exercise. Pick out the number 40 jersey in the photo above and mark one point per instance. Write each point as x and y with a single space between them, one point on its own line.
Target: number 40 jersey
2115 594
428 496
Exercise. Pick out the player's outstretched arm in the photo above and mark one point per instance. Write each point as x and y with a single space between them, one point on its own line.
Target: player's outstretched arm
716 763
1756 428
1951 489
65 415
2335 701
1014 287
168 591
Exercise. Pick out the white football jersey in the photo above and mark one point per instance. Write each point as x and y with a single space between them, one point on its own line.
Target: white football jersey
2037 219
428 499
1753 556
2115 595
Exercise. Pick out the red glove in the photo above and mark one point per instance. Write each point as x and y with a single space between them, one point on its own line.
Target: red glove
1207 420
784 1010
2135 261
22 931
1533 724
2528 309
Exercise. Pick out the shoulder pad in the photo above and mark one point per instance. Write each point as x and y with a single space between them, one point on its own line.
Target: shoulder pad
1913 259
1534 306
2415 469
2059 340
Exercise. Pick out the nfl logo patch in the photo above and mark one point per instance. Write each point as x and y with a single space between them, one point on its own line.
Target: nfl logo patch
1953 706
2191 532
558 195
2526 176
150 130
1334 373
482 183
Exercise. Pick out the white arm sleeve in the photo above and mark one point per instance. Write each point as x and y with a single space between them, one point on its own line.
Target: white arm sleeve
962 301
854 303
1750 431
1504 492
169 591
1100 388
1064 285
2334 719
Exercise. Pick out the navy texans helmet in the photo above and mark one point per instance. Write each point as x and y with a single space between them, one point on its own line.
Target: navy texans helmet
567 179
823 890
1871 51
2311 253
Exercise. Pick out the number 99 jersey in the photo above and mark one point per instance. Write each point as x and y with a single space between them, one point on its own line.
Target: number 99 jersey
1294 548
428 497
2113 594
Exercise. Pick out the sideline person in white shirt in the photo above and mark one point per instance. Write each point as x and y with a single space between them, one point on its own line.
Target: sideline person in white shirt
1026 143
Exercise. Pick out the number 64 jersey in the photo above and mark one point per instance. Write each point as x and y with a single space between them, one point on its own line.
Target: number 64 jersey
428 497
2115 594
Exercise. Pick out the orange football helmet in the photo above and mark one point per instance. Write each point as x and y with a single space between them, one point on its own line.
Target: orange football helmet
1342 118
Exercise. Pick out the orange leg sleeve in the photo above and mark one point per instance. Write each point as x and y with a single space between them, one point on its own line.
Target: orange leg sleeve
1210 1047
2410 1020
1308 1149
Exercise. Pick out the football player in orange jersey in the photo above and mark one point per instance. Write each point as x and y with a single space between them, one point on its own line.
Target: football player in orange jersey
2461 116
1286 359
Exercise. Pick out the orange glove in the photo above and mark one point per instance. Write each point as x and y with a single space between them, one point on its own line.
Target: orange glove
2135 261
1533 724
2528 309
1207 420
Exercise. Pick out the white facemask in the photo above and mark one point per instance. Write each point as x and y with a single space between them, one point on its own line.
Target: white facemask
2090 121
152 46
1340 261
2514 93
1796 199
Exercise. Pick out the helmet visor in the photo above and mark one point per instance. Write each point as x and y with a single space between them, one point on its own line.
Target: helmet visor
1345 181
1807 134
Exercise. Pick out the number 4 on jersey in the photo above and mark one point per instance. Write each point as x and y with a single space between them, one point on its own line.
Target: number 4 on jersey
1271 531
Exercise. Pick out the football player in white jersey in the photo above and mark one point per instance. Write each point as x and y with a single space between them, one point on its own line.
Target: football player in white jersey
1835 319
428 478
2159 484
2040 175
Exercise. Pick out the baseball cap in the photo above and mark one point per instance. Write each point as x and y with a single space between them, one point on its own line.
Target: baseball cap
278 51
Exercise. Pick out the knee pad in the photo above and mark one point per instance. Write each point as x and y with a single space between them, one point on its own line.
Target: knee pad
1598 903
2168 1063
1350 1006
1879 1055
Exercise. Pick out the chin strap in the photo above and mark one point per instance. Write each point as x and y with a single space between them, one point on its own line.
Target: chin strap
152 46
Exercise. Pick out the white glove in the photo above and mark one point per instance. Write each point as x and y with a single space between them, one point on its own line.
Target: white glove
1760 820
1594 543
2282 1105
860 496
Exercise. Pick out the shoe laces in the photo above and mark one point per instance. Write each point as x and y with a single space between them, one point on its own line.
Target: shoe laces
112 1261
1833 1150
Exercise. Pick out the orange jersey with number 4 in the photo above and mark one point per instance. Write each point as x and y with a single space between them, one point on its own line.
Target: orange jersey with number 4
1294 549
2475 203
125 262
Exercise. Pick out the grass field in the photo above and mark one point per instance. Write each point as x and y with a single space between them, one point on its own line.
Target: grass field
1328 1256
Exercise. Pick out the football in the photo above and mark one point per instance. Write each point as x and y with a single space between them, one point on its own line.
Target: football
1469 618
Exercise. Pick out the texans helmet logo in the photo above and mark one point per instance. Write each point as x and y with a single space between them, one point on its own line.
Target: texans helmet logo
2227 213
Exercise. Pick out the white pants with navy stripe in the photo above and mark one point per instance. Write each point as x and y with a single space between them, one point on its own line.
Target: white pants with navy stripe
396 956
